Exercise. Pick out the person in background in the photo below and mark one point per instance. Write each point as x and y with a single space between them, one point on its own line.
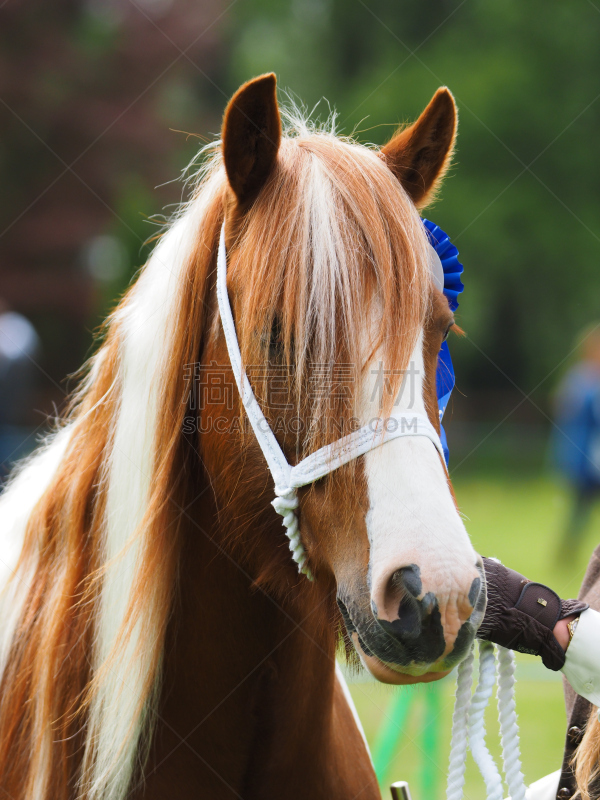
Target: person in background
576 435
19 348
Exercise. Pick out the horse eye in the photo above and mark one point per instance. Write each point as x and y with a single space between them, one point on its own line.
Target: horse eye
275 341
448 329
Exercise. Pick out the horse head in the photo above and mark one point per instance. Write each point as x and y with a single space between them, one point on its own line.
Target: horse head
149 514
339 323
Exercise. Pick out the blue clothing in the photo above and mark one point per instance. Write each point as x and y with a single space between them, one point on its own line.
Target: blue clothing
576 442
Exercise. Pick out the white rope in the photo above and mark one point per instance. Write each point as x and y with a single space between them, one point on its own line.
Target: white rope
287 478
483 692
458 746
509 729
468 725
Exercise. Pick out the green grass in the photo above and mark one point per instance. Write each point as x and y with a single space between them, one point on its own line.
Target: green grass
519 520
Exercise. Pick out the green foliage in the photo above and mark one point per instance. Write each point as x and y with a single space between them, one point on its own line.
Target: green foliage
521 203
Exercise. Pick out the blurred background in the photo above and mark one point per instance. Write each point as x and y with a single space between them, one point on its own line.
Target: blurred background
104 102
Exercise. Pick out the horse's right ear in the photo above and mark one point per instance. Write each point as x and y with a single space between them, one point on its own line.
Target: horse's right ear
251 135
420 154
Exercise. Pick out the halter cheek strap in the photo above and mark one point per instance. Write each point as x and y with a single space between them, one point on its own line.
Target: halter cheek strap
287 478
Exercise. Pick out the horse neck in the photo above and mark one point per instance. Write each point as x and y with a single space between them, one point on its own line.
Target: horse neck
254 676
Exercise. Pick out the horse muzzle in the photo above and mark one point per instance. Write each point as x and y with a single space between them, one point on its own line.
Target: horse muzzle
414 635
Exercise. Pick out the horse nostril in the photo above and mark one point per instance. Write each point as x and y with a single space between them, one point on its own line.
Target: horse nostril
414 617
408 624
405 615
409 578
428 604
404 582
403 585
474 592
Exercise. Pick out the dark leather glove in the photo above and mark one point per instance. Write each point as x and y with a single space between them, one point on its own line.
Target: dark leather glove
521 614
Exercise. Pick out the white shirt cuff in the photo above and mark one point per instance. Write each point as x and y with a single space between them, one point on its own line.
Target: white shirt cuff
582 664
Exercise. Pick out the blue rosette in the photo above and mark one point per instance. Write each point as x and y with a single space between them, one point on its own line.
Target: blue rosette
453 287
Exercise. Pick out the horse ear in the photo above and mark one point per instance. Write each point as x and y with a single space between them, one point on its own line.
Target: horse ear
251 135
420 154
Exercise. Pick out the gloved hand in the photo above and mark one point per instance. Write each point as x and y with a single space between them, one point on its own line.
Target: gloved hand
521 614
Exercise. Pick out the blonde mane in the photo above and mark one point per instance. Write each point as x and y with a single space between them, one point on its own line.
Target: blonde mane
90 524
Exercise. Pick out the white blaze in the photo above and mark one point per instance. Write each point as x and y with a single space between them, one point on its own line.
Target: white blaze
412 518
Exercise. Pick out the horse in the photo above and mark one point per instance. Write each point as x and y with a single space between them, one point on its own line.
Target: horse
157 639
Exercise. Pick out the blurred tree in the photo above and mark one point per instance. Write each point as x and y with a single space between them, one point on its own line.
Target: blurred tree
89 90
522 202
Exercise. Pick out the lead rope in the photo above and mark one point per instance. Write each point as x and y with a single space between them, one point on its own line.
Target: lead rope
483 692
468 728
458 744
509 729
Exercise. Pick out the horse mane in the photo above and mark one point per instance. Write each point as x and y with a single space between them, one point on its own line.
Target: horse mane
90 523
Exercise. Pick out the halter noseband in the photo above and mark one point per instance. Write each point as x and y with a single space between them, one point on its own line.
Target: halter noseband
320 463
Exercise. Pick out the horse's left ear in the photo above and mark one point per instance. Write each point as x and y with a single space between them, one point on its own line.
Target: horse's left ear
420 154
251 135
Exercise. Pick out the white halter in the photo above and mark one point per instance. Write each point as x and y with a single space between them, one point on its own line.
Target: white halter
287 478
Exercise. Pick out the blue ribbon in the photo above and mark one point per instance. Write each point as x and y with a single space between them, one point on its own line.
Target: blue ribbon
453 286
